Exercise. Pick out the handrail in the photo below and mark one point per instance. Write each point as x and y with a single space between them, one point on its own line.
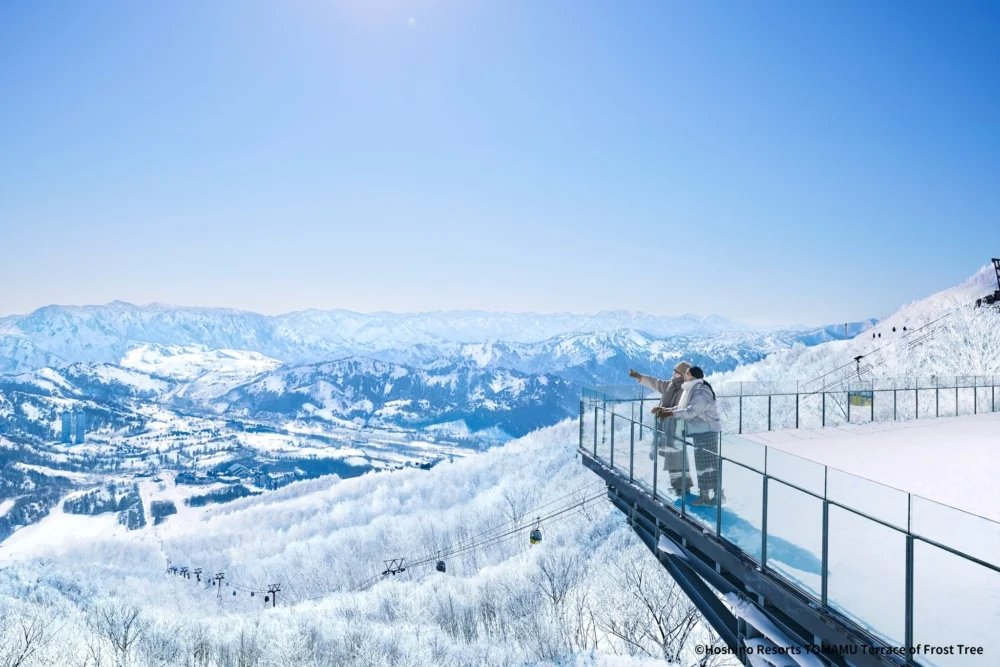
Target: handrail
898 399
787 557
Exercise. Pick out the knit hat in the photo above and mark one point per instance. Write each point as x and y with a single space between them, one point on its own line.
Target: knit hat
682 367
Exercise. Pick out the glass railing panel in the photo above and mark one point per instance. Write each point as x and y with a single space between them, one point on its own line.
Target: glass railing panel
754 417
927 382
622 438
810 411
587 426
645 457
906 407
893 404
747 452
947 400
742 507
955 601
703 505
603 445
835 408
968 533
865 556
623 392
670 461
783 411
927 402
876 500
795 470
795 535
729 412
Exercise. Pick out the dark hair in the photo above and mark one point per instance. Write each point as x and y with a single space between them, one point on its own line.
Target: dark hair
699 374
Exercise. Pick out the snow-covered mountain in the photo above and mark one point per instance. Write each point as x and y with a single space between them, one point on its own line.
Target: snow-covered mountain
106 334
200 372
370 392
943 334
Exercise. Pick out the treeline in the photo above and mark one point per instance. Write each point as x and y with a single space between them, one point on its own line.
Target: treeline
125 500
221 496
112 498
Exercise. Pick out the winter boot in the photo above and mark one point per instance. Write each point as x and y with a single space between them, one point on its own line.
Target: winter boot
703 500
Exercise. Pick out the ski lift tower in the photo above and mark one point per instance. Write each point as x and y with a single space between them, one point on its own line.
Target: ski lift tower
994 298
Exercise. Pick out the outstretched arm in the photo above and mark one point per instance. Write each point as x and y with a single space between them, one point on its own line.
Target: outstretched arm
653 383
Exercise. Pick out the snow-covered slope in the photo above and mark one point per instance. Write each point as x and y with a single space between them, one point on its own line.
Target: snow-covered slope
501 602
945 335
370 392
201 373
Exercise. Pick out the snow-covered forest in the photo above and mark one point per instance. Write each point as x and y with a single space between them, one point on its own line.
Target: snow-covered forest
589 592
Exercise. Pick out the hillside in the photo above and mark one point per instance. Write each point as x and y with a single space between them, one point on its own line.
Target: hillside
502 602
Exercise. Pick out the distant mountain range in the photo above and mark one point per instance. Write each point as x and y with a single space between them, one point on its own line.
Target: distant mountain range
61 335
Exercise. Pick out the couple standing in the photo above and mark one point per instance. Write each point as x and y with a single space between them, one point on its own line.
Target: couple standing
686 396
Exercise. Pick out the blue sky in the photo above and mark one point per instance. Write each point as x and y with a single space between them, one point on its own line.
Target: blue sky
768 161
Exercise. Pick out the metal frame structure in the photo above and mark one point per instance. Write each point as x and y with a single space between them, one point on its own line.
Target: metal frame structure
701 558
784 408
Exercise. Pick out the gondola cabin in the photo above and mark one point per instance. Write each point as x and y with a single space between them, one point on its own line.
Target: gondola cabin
441 566
535 536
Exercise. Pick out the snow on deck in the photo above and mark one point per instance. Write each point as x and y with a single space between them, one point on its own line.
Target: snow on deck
952 460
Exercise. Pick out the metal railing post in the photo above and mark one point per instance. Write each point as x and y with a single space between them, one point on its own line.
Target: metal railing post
908 620
873 401
604 423
595 430
581 423
684 474
937 400
642 409
631 452
916 400
718 489
656 458
894 417
848 406
763 524
796 410
740 430
612 441
956 397
825 566
769 412
824 409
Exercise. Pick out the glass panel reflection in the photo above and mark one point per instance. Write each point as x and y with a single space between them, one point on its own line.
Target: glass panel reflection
795 470
866 579
795 535
622 443
876 500
955 601
742 507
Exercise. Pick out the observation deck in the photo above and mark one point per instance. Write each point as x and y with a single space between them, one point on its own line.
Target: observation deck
799 553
